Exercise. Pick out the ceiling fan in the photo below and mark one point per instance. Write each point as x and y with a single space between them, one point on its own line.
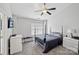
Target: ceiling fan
45 10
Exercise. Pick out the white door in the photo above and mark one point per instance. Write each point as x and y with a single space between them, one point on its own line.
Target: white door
0 30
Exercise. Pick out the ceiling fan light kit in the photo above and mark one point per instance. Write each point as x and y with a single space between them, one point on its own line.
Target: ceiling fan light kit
44 11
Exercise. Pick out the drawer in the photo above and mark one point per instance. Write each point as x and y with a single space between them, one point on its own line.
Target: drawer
70 44
70 48
72 41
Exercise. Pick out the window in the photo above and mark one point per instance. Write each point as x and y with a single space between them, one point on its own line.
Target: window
37 29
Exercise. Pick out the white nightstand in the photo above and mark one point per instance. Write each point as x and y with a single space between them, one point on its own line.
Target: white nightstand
71 43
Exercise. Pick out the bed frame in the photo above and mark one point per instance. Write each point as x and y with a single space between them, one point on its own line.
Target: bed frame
46 46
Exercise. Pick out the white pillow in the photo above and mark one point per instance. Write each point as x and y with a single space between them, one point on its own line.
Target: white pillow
75 34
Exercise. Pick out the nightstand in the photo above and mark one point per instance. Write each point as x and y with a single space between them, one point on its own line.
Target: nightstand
71 43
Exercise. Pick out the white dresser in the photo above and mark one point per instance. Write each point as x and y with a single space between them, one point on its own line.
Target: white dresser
16 44
71 43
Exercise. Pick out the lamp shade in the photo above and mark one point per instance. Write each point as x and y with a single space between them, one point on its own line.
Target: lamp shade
69 31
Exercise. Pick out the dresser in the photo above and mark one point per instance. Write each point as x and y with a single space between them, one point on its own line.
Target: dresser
71 43
16 44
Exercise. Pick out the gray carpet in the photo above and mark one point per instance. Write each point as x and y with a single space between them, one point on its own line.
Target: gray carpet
30 48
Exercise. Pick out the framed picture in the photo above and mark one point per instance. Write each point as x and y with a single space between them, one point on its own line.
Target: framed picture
10 22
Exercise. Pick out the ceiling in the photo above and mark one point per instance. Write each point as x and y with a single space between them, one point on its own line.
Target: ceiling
28 9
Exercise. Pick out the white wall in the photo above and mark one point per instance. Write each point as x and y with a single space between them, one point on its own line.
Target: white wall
68 18
24 25
5 10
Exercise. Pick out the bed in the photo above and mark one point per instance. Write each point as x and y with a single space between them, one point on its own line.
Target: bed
49 41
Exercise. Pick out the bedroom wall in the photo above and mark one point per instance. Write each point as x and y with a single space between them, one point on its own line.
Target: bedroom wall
68 18
5 10
24 25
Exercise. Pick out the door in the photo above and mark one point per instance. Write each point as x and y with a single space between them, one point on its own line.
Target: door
0 30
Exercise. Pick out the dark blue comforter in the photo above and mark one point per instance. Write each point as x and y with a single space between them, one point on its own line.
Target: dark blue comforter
50 41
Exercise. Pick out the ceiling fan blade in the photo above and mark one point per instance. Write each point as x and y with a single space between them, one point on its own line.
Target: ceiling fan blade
49 13
41 13
52 9
38 10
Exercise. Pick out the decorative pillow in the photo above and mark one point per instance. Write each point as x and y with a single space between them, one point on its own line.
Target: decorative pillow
75 34
55 34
